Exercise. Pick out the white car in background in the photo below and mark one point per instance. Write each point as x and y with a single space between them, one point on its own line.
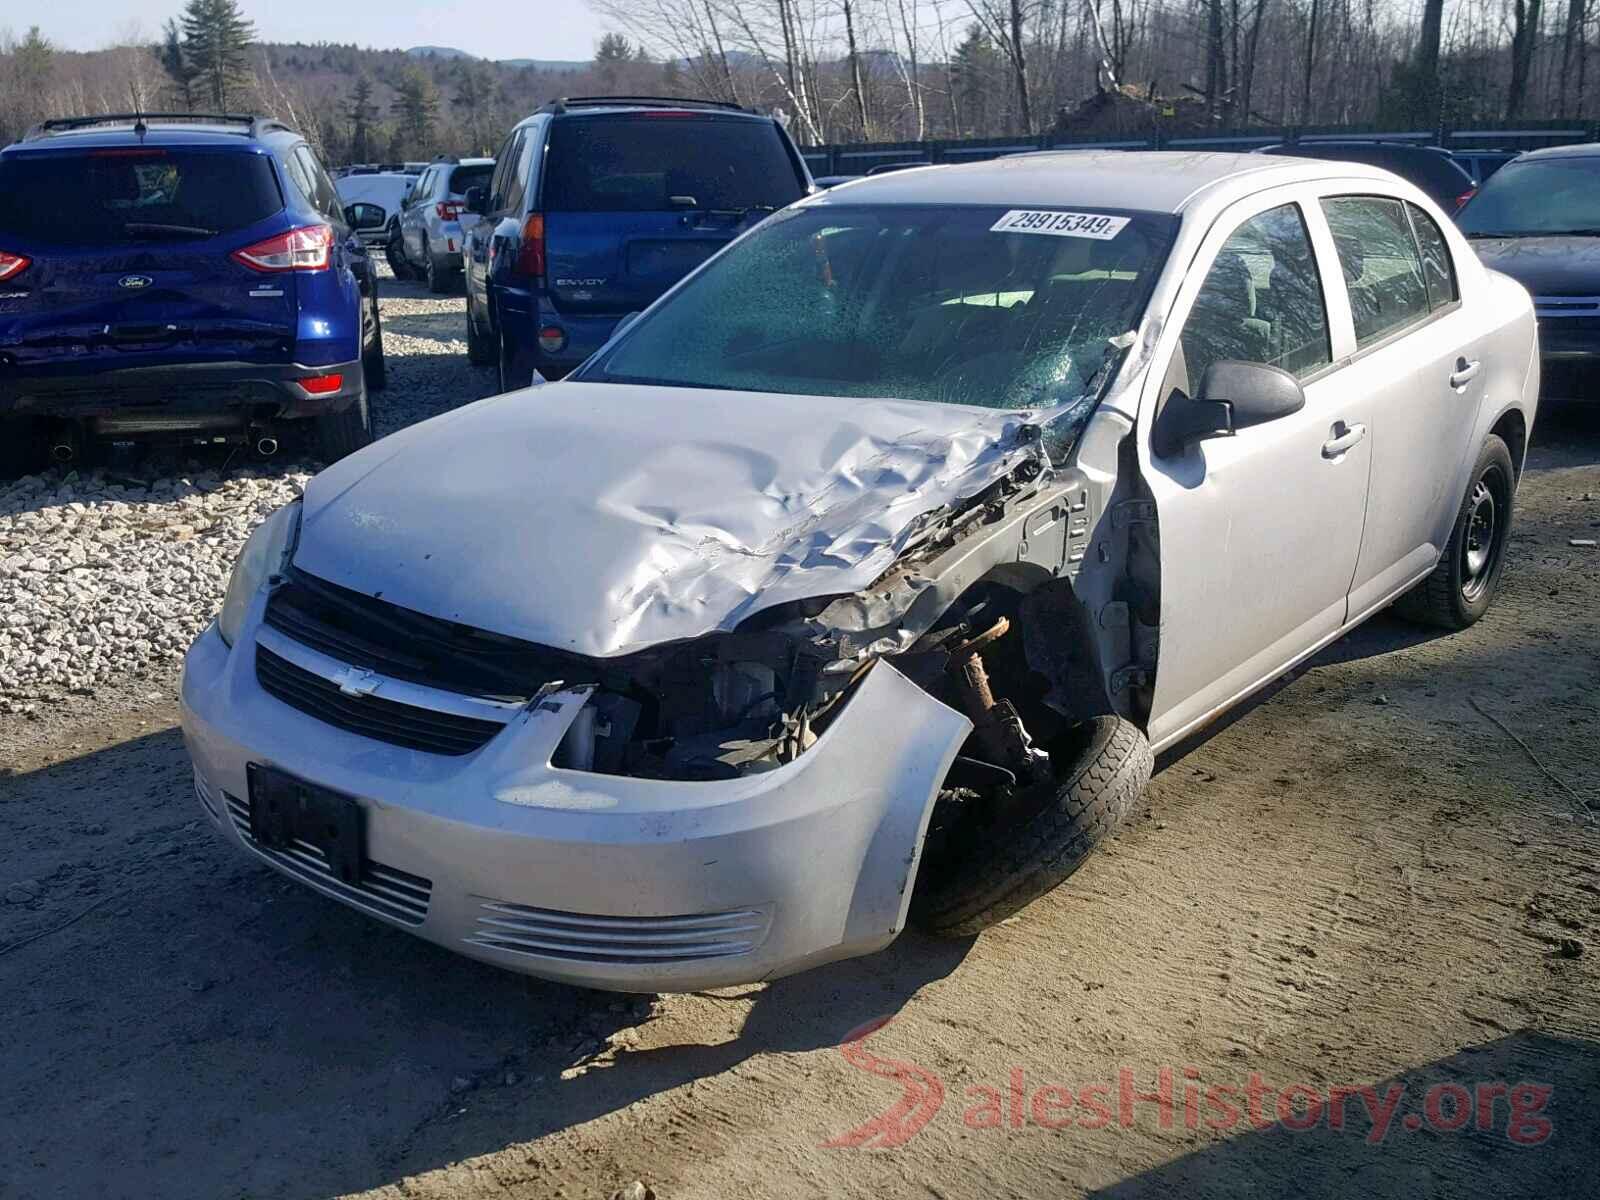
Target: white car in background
427 242
387 190
859 578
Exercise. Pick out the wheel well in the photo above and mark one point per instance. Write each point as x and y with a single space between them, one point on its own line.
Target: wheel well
1512 429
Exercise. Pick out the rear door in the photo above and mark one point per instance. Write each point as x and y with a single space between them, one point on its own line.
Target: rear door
131 266
461 178
1417 365
633 202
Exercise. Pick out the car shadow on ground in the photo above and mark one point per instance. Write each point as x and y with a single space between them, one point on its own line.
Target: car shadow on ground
1511 1117
164 987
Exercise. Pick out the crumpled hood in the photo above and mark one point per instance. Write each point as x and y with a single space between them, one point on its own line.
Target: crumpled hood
605 518
1546 266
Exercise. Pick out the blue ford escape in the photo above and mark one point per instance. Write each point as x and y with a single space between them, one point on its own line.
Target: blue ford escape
597 206
187 277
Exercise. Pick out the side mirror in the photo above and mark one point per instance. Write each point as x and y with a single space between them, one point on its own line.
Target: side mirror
1255 392
477 200
364 216
1234 395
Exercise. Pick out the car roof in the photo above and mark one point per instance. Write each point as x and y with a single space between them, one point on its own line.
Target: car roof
239 134
1582 150
590 106
1147 180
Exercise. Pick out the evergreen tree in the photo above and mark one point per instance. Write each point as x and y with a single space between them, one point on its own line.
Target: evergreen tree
417 105
363 115
175 62
216 43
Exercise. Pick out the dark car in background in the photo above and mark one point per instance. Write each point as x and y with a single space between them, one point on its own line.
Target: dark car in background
1480 164
599 205
1538 220
179 277
1430 168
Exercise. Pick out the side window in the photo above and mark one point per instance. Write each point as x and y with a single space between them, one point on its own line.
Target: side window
322 194
1438 272
296 171
517 182
1381 264
502 169
1261 301
419 190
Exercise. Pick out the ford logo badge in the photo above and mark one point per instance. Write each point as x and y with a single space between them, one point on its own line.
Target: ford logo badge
135 281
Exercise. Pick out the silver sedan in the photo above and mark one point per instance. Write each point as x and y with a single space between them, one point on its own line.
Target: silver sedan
857 581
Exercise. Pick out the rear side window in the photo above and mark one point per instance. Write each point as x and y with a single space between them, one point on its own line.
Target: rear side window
323 194
1381 264
463 178
1438 272
667 162
111 198
1261 301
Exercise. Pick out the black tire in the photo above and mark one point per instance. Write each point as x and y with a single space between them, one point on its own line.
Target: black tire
999 864
1464 583
438 281
480 347
19 447
342 433
374 368
511 377
395 251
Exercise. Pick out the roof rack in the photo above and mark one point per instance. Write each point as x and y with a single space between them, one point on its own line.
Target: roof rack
567 102
254 125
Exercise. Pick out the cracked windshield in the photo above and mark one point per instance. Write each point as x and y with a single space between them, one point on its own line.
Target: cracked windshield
985 306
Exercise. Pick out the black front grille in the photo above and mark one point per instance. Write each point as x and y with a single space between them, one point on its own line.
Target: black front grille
372 716
404 644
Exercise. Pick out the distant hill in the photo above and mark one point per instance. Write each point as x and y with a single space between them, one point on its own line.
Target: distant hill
450 53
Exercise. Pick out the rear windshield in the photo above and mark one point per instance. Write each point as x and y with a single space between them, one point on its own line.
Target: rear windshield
117 197
661 163
463 178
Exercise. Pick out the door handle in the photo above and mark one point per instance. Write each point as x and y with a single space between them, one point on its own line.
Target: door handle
1464 372
1344 437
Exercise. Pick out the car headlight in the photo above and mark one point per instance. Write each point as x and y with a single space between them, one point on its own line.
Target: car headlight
265 553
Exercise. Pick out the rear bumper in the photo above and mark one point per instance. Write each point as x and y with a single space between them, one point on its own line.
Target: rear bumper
585 333
206 393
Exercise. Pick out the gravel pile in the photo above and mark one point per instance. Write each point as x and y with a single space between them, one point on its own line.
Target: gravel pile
107 575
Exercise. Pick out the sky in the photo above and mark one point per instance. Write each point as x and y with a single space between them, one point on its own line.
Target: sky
562 29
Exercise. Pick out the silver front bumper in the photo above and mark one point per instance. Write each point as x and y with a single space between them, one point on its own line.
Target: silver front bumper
602 881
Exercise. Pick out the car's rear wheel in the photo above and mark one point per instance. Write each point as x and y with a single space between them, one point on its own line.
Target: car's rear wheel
374 368
1464 582
1000 854
19 447
345 432
512 376
480 347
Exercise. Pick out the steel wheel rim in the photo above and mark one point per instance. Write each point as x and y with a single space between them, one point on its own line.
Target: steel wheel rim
1482 538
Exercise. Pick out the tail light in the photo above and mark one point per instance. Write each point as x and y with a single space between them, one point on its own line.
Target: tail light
322 385
449 210
12 264
305 249
1465 196
552 339
530 261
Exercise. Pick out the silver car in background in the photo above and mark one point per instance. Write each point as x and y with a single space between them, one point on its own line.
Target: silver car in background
427 240
858 580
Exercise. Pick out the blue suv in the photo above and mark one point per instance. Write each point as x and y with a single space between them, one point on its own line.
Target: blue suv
181 276
597 206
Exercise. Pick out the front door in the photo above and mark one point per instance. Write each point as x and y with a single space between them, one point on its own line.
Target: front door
1260 531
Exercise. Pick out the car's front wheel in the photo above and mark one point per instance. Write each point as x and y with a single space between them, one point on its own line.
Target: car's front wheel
1464 582
1001 853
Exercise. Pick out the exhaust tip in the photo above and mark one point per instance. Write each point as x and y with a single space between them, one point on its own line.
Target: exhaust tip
266 446
63 452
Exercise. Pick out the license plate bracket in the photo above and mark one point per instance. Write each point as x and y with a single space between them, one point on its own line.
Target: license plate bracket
285 810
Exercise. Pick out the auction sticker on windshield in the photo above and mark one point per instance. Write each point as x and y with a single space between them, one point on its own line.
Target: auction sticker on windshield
1060 224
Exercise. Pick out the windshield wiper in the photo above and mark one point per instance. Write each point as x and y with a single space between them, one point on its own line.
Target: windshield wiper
151 229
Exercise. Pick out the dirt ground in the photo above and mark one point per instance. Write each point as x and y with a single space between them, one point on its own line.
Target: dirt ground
1362 880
